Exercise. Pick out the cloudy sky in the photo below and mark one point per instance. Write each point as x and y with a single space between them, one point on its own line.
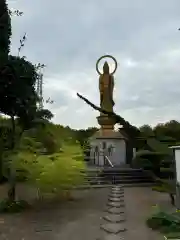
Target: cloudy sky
70 35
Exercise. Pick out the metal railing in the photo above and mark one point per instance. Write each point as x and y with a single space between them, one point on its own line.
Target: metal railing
109 161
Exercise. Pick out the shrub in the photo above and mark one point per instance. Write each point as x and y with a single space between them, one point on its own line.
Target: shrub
7 206
160 188
173 235
139 162
167 162
166 173
153 160
53 173
168 186
164 222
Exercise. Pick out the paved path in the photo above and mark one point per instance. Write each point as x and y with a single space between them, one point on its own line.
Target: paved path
81 219
139 203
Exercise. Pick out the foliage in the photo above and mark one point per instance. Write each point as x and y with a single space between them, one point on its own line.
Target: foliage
86 148
157 146
146 131
83 135
170 129
15 12
44 114
173 235
167 188
143 163
5 32
166 223
159 188
147 159
32 145
153 156
166 173
17 88
7 206
130 130
40 139
52 173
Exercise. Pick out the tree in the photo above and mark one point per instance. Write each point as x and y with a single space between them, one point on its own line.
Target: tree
130 130
146 131
44 114
17 85
5 33
83 135
18 98
168 132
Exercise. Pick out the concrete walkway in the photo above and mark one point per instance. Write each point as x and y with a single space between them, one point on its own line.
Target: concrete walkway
81 219
139 203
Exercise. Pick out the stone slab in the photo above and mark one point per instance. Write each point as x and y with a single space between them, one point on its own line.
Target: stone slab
113 228
113 199
112 237
116 204
115 210
117 188
117 191
115 218
116 195
43 229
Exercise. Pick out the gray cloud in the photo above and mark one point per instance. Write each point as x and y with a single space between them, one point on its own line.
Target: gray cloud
69 36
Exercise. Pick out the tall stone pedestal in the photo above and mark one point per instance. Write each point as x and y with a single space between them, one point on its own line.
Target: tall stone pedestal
107 144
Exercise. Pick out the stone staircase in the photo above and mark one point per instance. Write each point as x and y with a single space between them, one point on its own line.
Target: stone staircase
101 177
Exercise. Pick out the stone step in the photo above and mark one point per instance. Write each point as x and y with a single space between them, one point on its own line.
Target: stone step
122 181
119 181
127 185
118 177
110 170
116 174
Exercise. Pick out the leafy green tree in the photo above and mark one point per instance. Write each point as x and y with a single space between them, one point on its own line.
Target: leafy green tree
17 86
44 114
146 131
18 99
83 135
169 131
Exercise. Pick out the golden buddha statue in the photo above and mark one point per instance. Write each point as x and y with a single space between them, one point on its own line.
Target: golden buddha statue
106 86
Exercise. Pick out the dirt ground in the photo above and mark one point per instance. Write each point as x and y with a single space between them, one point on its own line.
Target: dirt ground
80 219
74 220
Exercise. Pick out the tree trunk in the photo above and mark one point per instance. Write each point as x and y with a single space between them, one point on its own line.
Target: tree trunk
12 175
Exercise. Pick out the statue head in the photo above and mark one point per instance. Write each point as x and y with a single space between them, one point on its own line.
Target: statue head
106 68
